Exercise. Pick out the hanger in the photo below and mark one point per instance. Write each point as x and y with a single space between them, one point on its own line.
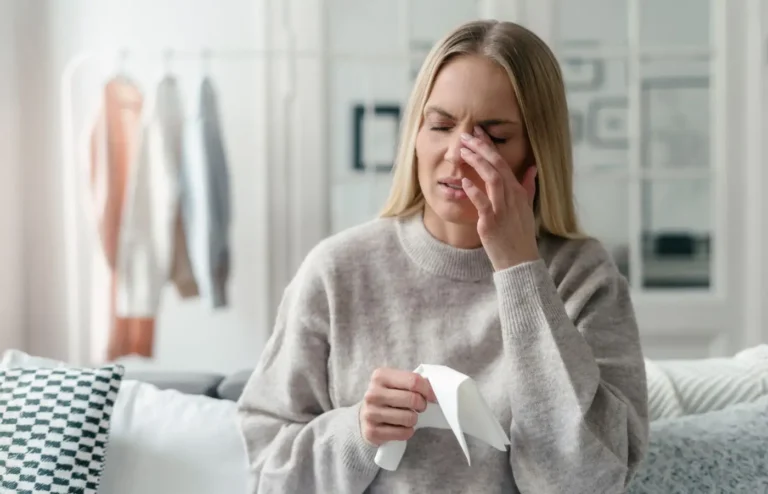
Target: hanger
167 59
205 62
122 65
122 74
122 60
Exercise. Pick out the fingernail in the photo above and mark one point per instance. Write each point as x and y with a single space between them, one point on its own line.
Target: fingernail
466 183
465 151
465 136
478 131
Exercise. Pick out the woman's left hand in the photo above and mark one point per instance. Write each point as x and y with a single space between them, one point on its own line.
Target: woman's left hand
506 223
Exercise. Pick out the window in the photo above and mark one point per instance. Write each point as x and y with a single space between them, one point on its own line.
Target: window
639 76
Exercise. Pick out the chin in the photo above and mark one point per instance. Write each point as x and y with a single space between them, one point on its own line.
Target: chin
456 213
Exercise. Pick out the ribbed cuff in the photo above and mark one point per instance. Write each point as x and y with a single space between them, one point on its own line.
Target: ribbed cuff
528 298
356 454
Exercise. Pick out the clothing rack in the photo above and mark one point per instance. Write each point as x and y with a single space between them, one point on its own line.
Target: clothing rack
73 181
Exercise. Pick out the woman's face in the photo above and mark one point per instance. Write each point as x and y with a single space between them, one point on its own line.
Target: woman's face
469 92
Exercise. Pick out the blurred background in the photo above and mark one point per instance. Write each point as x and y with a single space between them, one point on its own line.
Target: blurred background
667 104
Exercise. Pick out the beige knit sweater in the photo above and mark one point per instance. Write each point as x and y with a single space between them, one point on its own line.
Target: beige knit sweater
553 346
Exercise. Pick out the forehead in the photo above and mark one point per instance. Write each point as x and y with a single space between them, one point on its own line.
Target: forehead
474 86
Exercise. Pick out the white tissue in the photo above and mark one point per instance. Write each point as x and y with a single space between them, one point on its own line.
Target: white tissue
460 407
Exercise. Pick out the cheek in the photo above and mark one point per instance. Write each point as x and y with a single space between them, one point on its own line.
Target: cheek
427 153
426 146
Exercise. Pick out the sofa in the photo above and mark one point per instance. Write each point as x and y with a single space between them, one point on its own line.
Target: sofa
174 432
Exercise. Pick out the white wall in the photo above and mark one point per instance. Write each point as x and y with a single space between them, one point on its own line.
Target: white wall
39 165
11 277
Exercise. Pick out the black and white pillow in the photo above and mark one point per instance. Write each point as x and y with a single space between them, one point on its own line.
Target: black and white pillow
54 428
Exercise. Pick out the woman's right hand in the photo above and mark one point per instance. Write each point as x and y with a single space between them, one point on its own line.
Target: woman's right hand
391 405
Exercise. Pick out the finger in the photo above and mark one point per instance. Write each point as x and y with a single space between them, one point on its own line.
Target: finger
481 201
504 169
400 379
481 144
483 136
494 183
390 416
431 393
398 398
529 183
385 433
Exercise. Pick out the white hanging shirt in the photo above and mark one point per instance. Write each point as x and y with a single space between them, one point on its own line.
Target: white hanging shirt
146 244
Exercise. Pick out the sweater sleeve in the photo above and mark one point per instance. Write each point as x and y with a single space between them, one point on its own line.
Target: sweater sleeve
579 395
296 440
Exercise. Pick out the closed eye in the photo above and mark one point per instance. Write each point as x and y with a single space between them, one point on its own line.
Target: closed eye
495 140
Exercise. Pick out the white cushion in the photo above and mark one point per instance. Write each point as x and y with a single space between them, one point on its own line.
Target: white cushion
164 441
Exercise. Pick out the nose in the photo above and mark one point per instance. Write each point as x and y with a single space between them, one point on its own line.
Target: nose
453 151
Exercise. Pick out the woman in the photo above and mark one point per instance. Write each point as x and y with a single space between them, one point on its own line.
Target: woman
477 263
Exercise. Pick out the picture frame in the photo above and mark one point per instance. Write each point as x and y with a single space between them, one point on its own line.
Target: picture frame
381 111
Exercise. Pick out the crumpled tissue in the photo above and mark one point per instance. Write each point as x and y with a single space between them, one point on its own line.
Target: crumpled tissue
460 407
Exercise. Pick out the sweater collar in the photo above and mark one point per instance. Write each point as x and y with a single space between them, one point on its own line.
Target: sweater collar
439 258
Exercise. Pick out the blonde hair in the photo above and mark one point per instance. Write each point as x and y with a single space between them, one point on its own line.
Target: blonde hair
538 85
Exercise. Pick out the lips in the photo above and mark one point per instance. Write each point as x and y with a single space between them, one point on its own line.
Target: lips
452 189
453 183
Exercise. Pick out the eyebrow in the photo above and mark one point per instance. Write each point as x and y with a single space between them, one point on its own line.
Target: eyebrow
483 123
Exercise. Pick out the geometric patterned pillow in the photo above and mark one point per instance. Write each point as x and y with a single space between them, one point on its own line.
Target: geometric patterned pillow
54 427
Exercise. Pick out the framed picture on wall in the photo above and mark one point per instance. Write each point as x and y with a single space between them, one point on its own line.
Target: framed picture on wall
375 136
